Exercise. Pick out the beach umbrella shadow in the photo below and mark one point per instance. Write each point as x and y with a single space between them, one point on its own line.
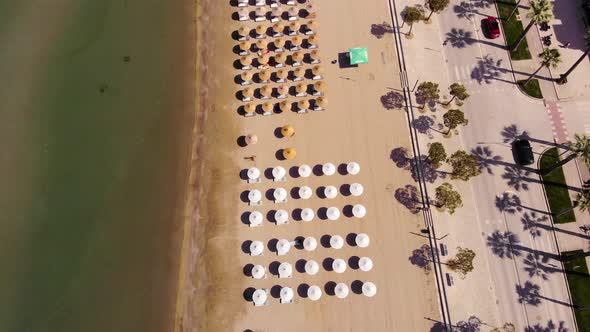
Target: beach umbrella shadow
248 293
302 290
246 246
329 288
353 262
357 287
327 263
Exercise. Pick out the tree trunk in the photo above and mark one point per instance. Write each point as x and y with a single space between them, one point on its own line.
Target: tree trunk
450 101
410 32
563 77
522 36
580 255
429 15
533 74
558 165
574 205
513 11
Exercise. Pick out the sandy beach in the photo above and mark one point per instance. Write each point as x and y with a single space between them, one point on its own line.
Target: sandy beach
354 127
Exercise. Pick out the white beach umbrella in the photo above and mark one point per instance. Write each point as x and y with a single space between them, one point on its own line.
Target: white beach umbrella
333 213
280 194
305 192
339 265
365 264
285 270
278 172
281 217
356 189
312 267
253 173
353 168
255 196
359 211
304 171
362 240
328 169
307 214
256 248
330 192
283 247
258 272
310 243
369 289
336 241
314 293
287 294
341 290
259 297
255 218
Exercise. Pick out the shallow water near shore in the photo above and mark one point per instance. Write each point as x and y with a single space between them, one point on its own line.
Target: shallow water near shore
96 113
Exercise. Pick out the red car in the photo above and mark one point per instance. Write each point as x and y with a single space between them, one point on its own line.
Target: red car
492 27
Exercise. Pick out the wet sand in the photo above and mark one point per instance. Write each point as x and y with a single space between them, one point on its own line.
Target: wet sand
355 127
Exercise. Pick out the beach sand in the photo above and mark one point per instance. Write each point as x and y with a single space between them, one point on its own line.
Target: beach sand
355 127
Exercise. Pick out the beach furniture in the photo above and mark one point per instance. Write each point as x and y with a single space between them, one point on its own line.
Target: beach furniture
310 243
260 3
256 248
320 104
294 28
265 92
314 55
285 106
313 41
246 62
264 75
278 174
336 242
341 290
333 213
268 108
255 219
286 295
311 10
245 47
302 106
255 197
281 217
365 264
312 267
260 297
358 55
304 171
328 169
310 27
260 14
278 29
287 131
356 189
243 3
283 247
359 211
243 33
246 77
262 46
260 31
339 265
279 60
318 88
253 175
282 92
305 192
279 43
317 72
285 270
280 195
263 61
247 94
258 272
251 139
249 110
243 14
291 2
353 168
293 13
273 3
330 192
295 43
301 90
314 293
296 58
307 214
362 240
281 75
289 153
369 289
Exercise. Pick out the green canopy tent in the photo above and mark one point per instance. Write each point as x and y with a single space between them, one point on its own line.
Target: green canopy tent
358 55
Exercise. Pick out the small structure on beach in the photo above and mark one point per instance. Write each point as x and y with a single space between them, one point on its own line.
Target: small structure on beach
358 55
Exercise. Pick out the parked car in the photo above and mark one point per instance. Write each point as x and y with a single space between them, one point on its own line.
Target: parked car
522 151
492 27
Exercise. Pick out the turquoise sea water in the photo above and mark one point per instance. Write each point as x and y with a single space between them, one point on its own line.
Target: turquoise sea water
96 109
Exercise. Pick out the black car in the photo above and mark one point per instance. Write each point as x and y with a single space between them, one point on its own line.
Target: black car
522 151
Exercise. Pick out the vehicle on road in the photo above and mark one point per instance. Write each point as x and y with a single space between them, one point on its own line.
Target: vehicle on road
522 151
492 28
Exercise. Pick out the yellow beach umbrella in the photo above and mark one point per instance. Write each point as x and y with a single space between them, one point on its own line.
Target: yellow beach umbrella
245 45
301 88
246 60
279 42
261 43
294 26
278 27
282 74
322 101
315 54
265 90
293 12
268 107
285 106
296 41
260 29
303 104
260 11
264 74
243 31
248 92
315 39
312 25
250 108
311 8
319 86
317 70
282 90
287 131
246 76
264 59
299 72
289 153
297 56
280 58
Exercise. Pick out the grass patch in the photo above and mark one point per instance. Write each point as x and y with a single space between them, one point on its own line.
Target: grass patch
556 189
513 29
532 88
579 283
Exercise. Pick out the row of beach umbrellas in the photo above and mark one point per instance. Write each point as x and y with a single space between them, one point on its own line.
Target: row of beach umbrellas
281 217
279 172
285 106
278 28
279 59
285 269
283 246
330 192
282 91
314 293
292 13
271 3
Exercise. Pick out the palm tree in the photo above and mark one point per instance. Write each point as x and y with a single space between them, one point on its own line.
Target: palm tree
539 12
514 10
563 77
549 58
580 149
582 202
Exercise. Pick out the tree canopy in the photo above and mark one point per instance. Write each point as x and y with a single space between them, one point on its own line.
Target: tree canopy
436 154
463 261
540 11
458 91
427 92
448 198
465 165
581 147
412 15
436 6
453 118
